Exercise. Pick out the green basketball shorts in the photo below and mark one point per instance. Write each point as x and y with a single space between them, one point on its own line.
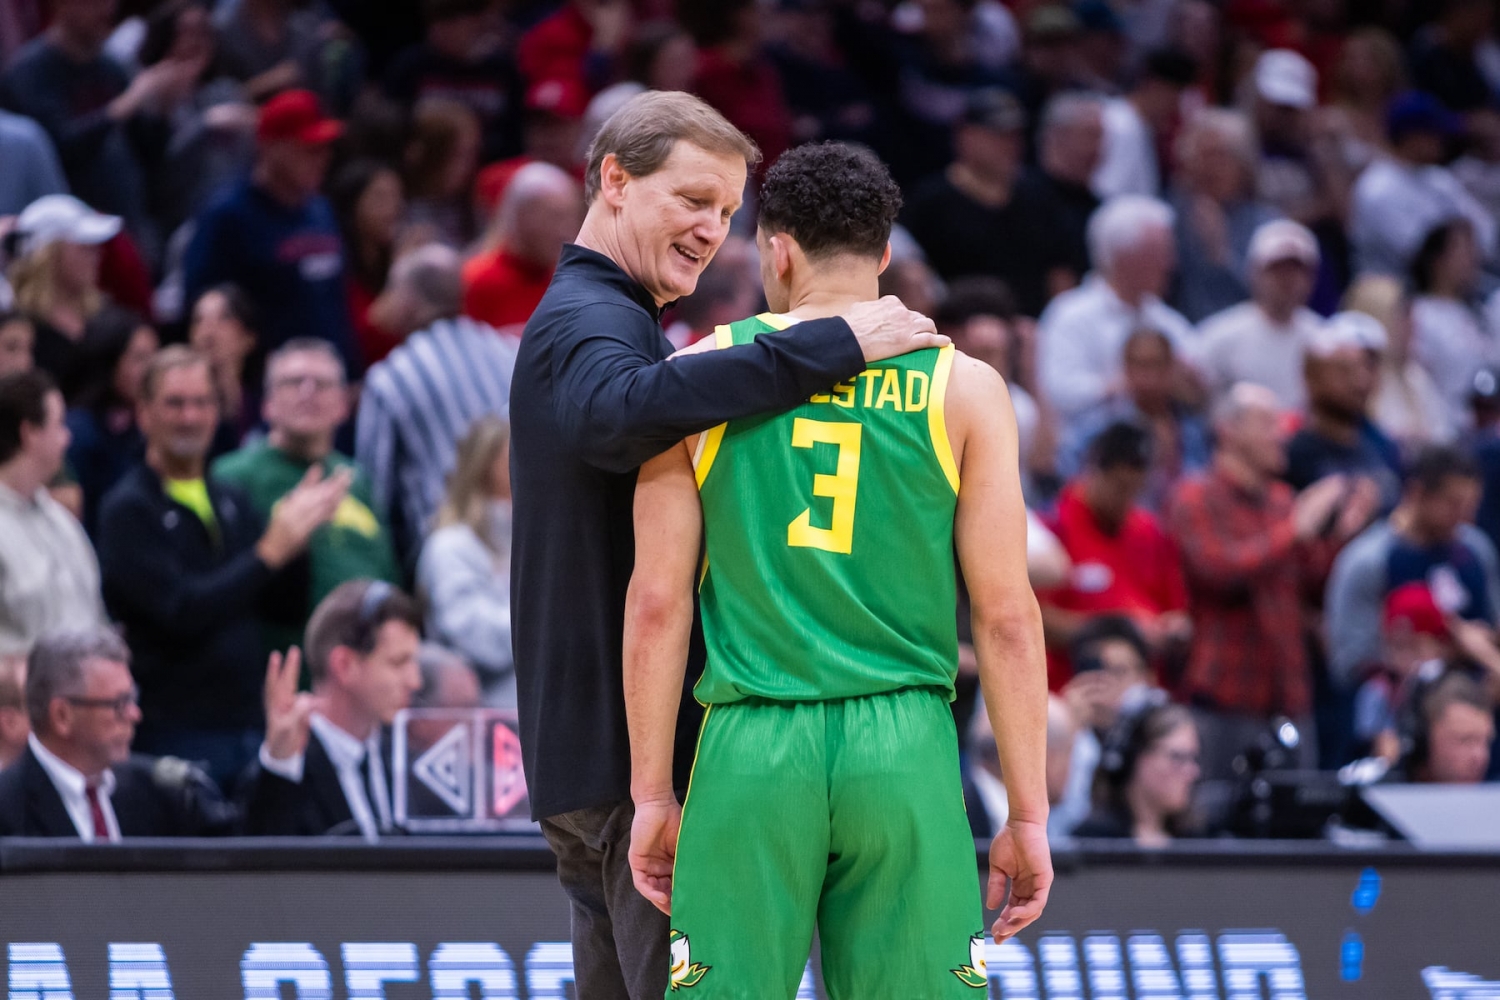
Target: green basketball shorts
846 816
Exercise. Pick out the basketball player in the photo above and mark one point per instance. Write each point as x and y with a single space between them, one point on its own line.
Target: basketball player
826 789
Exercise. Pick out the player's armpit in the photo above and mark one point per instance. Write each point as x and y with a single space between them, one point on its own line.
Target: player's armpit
659 615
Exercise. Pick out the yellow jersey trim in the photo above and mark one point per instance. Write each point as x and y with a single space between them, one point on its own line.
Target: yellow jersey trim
775 321
709 440
937 423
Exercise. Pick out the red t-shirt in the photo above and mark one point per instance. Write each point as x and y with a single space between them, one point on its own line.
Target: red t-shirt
749 94
1136 572
503 290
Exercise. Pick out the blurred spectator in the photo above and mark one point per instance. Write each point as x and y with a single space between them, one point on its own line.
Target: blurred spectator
421 400
1407 404
1112 667
1177 438
1283 95
106 442
441 160
306 400
222 329
1484 443
185 563
95 115
980 315
463 575
1450 336
541 210
56 279
911 281
1135 124
275 236
210 123
1050 64
826 98
14 725
1478 169
1123 563
1147 772
49 578
1427 539
1445 57
660 56
1218 215
32 170
1402 197
1103 47
462 58
275 45
1370 72
959 216
324 767
734 73
1450 734
1081 334
369 200
1249 545
581 43
1068 148
1263 340
1413 633
77 777
447 679
551 126
728 291
17 338
1337 436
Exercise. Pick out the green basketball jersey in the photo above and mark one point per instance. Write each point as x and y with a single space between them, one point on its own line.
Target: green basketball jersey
829 566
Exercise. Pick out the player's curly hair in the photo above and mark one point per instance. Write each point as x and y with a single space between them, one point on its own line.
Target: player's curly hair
832 198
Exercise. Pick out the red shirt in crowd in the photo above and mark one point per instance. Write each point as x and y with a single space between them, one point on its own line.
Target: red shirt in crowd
749 94
1135 572
1247 574
503 290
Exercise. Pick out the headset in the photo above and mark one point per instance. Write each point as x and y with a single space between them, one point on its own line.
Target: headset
376 594
1122 744
1411 718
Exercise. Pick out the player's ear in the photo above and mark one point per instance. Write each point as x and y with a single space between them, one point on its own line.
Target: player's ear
885 258
781 255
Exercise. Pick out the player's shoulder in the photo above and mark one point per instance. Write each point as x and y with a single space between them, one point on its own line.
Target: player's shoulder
975 379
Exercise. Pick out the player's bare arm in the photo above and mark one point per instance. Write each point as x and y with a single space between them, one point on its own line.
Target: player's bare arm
658 625
990 531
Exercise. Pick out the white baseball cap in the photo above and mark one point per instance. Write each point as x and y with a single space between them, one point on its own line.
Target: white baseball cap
1282 239
1285 77
1344 330
61 217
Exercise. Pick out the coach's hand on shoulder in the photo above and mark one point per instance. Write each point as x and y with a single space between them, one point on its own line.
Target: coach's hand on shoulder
653 848
1020 854
886 328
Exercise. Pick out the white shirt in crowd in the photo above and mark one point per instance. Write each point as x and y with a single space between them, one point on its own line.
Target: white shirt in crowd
1452 341
1397 204
1243 344
347 754
49 575
1080 338
1408 406
72 787
1127 161
466 587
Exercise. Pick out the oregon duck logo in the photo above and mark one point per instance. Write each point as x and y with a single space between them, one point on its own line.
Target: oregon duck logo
685 972
972 974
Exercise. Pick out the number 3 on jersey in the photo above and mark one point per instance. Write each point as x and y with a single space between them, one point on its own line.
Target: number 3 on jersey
842 487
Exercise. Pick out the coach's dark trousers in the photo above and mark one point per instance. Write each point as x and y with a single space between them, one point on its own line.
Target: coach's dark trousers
620 948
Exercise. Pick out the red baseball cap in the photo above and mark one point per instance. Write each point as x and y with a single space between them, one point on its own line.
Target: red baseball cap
1413 604
561 97
298 116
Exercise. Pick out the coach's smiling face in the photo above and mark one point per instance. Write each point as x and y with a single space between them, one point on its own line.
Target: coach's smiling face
670 223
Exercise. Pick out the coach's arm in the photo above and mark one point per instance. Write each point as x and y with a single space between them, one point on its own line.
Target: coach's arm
619 404
658 625
990 532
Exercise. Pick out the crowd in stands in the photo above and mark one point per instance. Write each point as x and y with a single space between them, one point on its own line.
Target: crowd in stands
267 263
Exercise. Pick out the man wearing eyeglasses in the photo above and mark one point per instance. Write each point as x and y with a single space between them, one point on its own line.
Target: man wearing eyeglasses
76 777
306 399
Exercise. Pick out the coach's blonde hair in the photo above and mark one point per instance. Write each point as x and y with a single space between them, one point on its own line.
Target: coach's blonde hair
642 133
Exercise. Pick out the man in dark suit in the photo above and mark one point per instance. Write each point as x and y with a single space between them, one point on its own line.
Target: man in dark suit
76 777
324 767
